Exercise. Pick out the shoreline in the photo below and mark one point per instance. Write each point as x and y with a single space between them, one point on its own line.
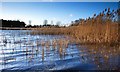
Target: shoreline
79 38
14 28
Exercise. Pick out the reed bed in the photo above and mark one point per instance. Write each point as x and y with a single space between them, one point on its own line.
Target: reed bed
85 33
98 29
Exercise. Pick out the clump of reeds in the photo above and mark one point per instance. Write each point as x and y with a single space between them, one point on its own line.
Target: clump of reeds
101 28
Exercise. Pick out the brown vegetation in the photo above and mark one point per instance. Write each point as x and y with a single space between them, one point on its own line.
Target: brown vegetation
101 28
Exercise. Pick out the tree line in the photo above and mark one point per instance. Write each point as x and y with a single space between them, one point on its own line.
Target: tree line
17 23
45 25
12 23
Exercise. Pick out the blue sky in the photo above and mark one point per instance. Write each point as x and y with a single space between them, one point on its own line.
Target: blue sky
65 12
59 0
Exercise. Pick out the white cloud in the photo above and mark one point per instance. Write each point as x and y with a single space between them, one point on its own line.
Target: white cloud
47 0
51 0
71 15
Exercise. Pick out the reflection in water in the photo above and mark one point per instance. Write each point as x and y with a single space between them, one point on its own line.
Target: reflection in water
23 51
106 57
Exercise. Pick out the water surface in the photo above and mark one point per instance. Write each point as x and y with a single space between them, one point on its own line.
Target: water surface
21 51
